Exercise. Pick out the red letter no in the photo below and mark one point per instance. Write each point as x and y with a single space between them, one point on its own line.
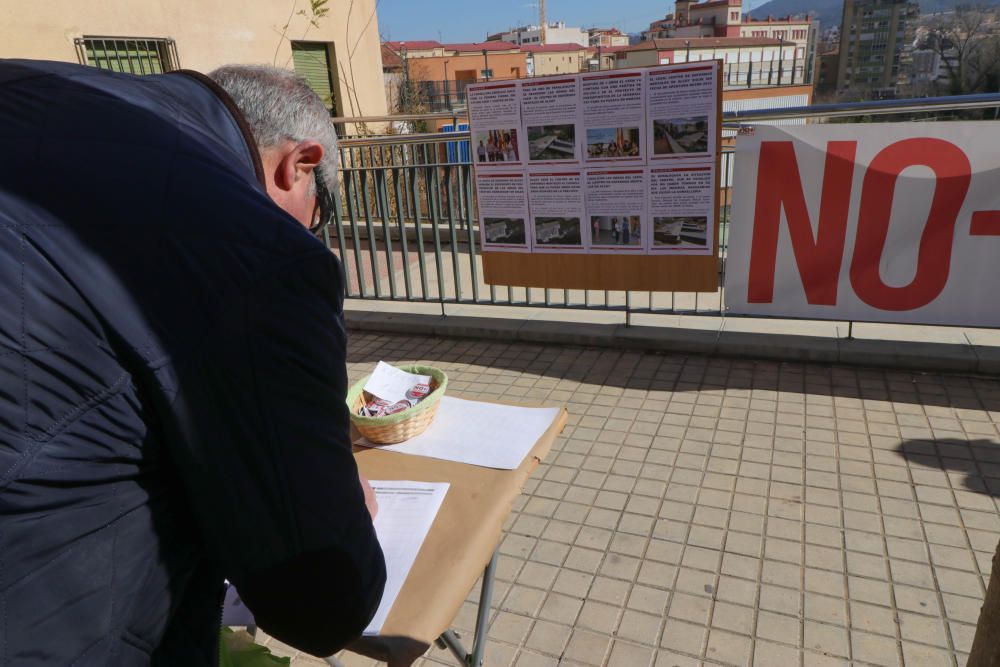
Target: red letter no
780 186
953 174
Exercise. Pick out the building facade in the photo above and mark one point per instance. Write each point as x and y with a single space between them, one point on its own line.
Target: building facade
606 37
546 59
340 59
725 19
747 62
876 38
438 73
555 33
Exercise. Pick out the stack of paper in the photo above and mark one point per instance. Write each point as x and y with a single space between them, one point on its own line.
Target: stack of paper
406 511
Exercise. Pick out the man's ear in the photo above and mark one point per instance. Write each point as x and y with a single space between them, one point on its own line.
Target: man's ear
297 163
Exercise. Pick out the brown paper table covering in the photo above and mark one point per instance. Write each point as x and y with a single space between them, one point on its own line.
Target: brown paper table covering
458 547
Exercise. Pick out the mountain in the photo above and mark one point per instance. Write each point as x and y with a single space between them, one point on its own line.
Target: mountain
829 12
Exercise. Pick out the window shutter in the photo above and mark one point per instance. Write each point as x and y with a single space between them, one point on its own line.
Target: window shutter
312 62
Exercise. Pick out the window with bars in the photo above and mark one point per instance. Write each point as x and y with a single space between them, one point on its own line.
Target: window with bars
135 55
311 60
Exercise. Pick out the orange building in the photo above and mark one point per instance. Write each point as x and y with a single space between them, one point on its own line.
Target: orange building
440 72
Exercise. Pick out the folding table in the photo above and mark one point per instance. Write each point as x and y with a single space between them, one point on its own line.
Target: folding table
461 545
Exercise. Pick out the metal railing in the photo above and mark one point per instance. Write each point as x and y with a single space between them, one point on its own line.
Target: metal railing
405 226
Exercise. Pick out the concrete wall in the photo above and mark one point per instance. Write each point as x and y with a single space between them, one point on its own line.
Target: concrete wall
559 62
637 58
210 33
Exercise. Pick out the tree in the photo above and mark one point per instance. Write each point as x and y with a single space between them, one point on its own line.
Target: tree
968 47
317 10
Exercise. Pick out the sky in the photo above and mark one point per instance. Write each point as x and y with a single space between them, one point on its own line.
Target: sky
472 20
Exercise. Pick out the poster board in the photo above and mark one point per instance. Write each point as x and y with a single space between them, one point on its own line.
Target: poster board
602 180
881 222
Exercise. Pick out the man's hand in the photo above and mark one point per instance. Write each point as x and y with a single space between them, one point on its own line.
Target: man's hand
370 501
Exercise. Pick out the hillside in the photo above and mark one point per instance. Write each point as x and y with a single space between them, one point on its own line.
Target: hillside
829 12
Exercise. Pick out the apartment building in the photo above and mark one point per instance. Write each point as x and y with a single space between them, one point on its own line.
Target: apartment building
556 32
725 19
606 37
876 38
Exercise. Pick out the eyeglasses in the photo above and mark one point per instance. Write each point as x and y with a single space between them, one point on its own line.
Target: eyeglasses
323 209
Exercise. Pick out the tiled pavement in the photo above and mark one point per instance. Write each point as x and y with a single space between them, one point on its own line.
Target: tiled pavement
720 512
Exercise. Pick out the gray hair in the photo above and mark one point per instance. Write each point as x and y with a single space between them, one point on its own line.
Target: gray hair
279 106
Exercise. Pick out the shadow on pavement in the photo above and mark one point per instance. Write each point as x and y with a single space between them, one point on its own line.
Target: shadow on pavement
979 459
679 372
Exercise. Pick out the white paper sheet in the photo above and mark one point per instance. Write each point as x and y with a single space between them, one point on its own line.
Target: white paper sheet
682 201
483 434
503 212
391 384
550 111
616 210
406 511
613 107
495 119
557 211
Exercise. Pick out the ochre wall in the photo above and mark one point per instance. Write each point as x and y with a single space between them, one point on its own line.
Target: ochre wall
210 33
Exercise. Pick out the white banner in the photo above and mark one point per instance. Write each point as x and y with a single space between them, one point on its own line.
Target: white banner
893 222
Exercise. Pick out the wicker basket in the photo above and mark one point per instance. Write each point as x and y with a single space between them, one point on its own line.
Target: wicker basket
403 425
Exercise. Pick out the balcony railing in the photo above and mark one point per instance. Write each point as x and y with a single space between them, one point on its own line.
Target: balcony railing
448 95
405 223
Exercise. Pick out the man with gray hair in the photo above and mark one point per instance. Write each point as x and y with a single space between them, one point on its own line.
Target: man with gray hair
172 370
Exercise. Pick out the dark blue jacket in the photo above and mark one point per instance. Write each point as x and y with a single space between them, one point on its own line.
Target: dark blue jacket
172 382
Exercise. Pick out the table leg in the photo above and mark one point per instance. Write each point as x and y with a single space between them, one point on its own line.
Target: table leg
450 640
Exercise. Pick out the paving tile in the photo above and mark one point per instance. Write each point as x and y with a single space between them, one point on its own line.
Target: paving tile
769 653
873 619
918 655
547 637
587 648
510 627
732 512
778 627
683 637
827 639
728 649
666 658
599 617
923 629
624 654
874 649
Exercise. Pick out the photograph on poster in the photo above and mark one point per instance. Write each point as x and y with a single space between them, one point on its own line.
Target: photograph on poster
497 145
505 231
616 230
680 231
552 142
680 135
558 231
612 142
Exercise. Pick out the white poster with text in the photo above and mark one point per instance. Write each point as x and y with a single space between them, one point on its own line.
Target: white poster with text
550 113
616 211
495 119
557 211
614 113
682 112
503 212
682 210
